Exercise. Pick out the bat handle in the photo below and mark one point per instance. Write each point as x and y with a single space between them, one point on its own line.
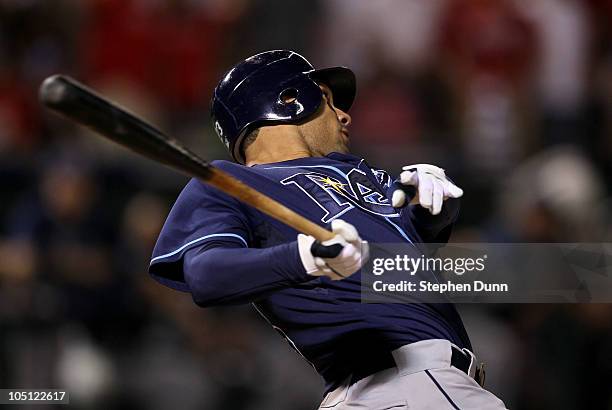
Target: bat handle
265 204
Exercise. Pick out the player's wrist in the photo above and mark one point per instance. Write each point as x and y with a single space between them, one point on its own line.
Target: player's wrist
305 243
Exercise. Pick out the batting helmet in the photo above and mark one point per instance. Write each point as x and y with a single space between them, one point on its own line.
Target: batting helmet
273 87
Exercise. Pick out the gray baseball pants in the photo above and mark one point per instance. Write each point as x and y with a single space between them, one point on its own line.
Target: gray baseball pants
422 379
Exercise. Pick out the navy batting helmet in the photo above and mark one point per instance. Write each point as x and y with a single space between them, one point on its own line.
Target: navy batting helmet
273 87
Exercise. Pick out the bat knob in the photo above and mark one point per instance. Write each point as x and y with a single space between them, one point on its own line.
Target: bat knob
53 90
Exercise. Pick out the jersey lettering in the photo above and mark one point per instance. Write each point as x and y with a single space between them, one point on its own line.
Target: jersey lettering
336 197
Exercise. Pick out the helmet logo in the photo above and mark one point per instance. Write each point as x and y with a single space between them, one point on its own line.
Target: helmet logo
219 132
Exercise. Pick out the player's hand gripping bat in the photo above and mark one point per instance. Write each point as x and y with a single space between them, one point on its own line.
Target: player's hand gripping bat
81 104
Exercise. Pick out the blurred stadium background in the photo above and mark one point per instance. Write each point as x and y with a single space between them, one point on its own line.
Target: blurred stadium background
513 98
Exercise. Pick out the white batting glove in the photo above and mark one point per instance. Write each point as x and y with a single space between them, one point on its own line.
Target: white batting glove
432 187
337 258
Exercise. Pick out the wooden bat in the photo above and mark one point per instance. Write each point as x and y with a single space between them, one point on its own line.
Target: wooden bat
81 104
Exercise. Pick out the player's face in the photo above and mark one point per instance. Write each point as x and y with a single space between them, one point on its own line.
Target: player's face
327 131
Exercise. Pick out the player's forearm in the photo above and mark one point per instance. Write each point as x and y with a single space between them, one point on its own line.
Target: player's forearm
435 228
219 276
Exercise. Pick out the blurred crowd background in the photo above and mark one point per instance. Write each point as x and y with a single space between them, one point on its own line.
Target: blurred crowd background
512 98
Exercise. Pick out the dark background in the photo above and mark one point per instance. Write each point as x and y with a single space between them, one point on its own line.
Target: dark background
512 98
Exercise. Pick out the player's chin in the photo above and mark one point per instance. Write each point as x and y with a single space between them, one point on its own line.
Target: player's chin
343 143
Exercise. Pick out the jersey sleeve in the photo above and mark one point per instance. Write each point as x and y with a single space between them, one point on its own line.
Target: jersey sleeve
436 228
201 216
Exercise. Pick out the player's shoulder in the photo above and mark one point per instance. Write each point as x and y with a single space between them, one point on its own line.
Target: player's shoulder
198 191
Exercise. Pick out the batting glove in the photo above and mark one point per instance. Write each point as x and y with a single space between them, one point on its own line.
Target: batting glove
431 184
337 258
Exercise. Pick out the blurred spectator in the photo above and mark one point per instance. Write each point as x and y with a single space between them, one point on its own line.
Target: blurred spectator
17 114
487 48
563 34
598 124
387 117
277 24
555 196
561 28
70 232
397 33
32 46
170 47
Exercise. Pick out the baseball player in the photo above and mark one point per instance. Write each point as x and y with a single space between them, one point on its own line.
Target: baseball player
286 126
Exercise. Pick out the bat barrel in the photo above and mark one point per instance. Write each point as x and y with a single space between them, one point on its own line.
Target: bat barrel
76 101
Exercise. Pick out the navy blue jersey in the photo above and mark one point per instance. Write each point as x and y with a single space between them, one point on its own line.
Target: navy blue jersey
226 252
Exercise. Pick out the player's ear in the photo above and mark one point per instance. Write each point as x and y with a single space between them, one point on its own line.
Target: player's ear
343 117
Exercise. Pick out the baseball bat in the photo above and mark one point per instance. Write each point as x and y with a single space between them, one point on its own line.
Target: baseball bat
81 104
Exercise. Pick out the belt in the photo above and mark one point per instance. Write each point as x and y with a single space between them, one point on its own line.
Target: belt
463 360
374 362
